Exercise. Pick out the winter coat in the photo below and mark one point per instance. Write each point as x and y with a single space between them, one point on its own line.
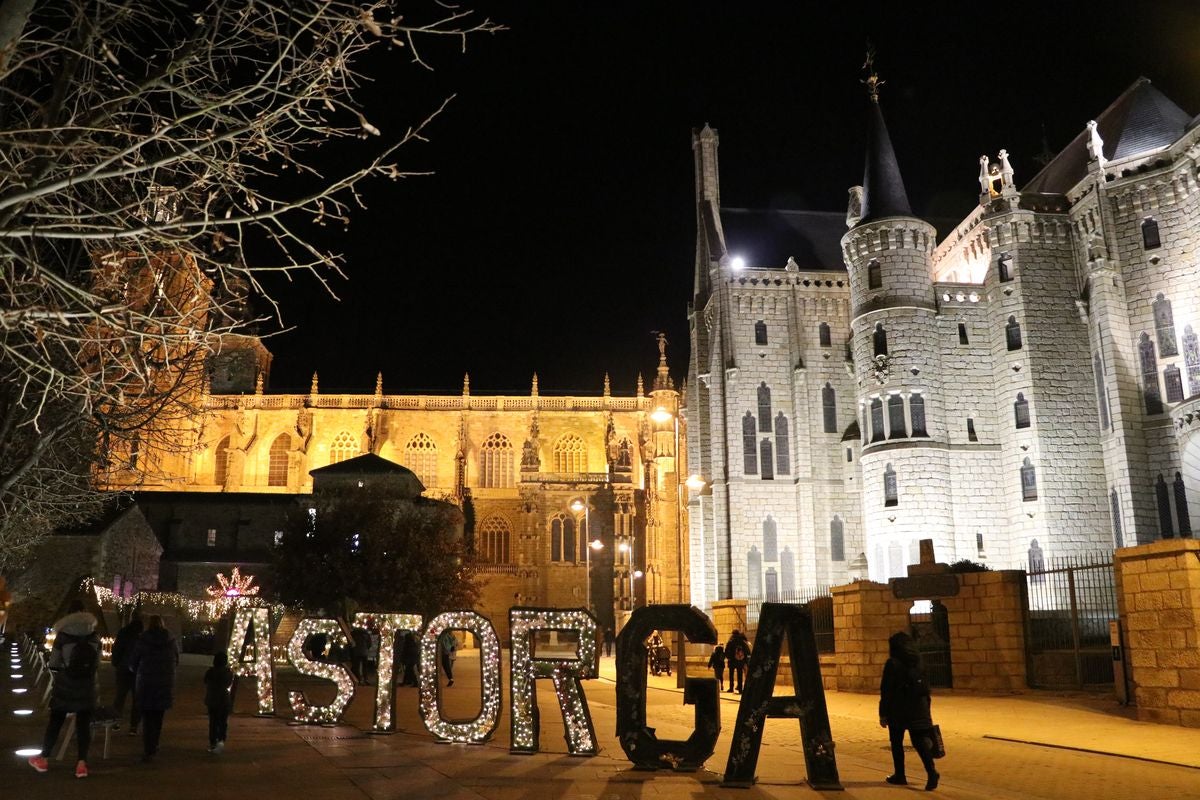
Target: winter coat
217 681
731 648
410 651
73 692
717 659
904 695
153 662
123 645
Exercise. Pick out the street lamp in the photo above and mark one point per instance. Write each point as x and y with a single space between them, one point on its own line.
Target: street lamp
577 505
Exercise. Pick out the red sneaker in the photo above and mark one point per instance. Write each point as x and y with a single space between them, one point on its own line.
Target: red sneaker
81 769
39 763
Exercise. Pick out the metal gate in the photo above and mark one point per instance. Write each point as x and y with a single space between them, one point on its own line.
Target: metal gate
1071 601
931 633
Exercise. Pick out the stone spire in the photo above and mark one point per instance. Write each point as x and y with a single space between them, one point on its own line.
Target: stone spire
313 389
258 382
533 391
607 386
641 389
883 188
378 385
662 378
466 384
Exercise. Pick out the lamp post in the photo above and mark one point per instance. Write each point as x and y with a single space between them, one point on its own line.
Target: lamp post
577 505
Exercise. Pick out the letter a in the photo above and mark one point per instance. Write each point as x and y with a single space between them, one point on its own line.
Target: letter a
254 623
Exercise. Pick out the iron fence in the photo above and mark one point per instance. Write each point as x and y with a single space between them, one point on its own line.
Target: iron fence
1071 602
818 601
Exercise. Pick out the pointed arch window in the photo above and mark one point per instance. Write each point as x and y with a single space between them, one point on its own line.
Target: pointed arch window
782 445
1173 381
829 407
891 494
1115 503
1191 359
1028 481
562 539
496 462
1101 389
1162 494
880 340
570 454
896 417
420 455
221 462
1150 391
767 459
277 460
344 447
764 406
1012 334
787 569
749 445
874 275
770 539
754 572
877 434
1164 326
1021 411
760 332
837 539
1181 507
916 411
1037 563
1150 237
824 336
494 541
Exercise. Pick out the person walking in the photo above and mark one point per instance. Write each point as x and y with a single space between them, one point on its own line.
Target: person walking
716 662
737 654
74 662
153 662
410 653
904 703
219 702
609 638
121 651
449 649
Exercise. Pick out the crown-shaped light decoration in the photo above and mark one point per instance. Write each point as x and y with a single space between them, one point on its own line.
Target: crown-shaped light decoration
237 585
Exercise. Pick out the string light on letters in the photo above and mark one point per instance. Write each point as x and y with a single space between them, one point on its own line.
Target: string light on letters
341 677
480 729
388 626
567 674
256 621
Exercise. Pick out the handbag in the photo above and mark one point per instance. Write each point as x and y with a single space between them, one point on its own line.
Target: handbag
936 743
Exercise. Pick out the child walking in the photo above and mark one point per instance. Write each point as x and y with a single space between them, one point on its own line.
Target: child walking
216 696
716 663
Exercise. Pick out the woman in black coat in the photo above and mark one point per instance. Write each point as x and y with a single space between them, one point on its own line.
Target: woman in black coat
904 706
73 689
153 663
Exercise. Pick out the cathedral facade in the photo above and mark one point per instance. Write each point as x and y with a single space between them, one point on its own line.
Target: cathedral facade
1023 385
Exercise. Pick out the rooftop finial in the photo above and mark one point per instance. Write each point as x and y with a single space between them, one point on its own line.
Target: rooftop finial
872 81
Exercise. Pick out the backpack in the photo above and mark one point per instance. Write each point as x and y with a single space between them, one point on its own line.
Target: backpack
82 662
739 652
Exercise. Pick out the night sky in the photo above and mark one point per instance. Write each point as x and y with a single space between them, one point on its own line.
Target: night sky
558 229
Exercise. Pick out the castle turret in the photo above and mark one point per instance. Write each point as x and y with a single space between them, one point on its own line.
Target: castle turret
904 463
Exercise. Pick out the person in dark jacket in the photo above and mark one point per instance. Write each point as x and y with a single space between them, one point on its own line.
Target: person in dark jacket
217 681
904 706
74 684
716 662
153 662
122 649
737 655
410 654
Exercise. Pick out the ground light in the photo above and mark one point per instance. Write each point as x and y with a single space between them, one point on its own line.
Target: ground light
23 712
20 691
29 751
17 676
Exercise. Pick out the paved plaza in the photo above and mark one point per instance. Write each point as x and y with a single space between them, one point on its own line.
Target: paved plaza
1031 745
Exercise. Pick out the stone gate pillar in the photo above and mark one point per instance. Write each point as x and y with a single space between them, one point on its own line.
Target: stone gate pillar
865 614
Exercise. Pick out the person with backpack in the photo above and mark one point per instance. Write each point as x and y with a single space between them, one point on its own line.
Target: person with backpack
716 662
737 653
74 661
449 648
218 701
122 649
153 662
904 703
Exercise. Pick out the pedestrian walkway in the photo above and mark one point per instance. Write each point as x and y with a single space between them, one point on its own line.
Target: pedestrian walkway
270 758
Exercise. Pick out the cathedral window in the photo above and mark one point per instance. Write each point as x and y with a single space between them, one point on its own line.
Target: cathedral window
891 496
1037 563
1101 390
221 462
1115 502
1162 494
562 539
1174 383
570 455
979 545
343 448
772 585
1012 334
1150 238
823 335
754 573
1028 481
420 455
1181 507
880 340
874 275
865 429
760 332
764 406
1191 358
496 462
1164 327
837 541
770 539
787 568
768 462
1004 268
962 333
277 460
1021 411
849 455
494 541
895 406
749 445
829 407
1150 391
971 435
916 411
782 445
877 434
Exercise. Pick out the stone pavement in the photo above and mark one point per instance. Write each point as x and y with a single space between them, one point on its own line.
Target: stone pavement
998 747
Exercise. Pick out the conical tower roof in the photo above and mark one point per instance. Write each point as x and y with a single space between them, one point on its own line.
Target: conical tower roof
883 188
